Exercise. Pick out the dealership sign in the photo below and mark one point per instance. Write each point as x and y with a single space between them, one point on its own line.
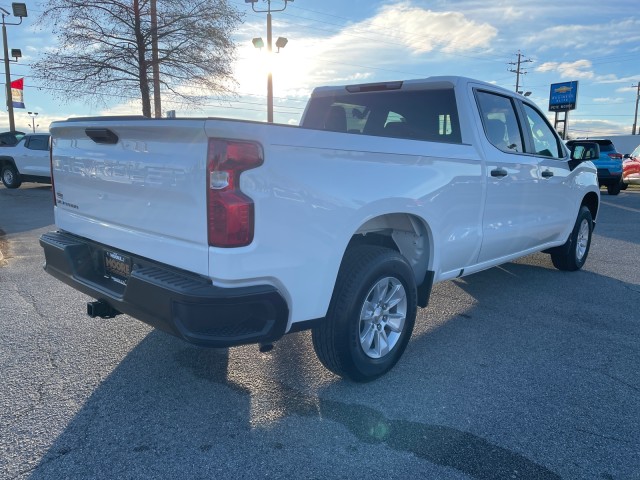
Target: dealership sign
563 96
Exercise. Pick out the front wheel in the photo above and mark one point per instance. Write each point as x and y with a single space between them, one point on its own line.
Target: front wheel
573 254
10 177
371 315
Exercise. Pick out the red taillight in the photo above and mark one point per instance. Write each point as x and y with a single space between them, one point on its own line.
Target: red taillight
617 156
230 213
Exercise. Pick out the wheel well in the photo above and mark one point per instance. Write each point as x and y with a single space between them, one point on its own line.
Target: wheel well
590 200
407 234
6 161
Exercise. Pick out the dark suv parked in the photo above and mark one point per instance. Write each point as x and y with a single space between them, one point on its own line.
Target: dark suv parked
609 165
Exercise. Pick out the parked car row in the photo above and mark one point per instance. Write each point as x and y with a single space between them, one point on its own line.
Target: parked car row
609 165
26 161
615 170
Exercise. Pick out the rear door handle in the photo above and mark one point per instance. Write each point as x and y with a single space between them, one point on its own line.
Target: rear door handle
547 174
499 172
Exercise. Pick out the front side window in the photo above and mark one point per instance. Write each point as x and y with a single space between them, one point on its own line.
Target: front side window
544 141
500 121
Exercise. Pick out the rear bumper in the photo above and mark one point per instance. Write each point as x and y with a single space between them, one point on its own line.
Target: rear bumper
632 179
608 177
183 304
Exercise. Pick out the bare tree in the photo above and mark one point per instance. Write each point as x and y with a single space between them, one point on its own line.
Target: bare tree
105 49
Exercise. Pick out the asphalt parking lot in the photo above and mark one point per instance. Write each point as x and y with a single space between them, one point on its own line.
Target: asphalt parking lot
521 371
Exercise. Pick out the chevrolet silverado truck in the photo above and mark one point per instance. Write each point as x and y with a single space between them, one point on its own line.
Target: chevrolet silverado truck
26 161
226 232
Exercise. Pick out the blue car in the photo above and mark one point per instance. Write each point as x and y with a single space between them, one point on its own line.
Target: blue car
609 165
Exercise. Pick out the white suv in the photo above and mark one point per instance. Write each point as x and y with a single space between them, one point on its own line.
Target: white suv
27 161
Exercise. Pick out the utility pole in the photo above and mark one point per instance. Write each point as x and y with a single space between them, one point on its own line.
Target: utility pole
518 71
635 118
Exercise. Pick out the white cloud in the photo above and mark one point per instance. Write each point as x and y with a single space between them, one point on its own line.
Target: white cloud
575 70
424 30
362 51
132 107
23 121
595 127
609 100
626 89
602 37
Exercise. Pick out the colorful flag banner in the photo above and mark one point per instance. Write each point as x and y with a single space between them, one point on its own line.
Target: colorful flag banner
17 89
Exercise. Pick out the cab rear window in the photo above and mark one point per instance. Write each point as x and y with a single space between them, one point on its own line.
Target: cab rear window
430 115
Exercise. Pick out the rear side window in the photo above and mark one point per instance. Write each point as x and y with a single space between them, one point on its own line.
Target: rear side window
606 146
417 115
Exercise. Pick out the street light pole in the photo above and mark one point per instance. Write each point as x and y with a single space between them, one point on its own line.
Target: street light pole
19 10
269 49
33 116
270 74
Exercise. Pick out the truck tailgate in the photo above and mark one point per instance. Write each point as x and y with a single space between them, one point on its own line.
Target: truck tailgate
139 184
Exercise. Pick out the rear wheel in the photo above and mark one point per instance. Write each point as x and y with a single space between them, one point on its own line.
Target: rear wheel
10 176
371 315
573 254
614 189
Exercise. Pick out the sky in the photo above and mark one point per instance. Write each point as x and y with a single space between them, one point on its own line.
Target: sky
336 42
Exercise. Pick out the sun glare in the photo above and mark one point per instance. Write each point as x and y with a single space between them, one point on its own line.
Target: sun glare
289 70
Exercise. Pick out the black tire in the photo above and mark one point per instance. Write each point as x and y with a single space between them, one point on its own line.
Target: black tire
614 189
10 176
623 186
573 254
367 275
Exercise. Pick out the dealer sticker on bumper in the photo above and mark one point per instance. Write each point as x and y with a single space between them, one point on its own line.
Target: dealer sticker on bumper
117 267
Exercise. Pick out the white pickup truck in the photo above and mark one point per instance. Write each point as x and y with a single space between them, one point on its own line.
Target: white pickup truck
26 161
226 232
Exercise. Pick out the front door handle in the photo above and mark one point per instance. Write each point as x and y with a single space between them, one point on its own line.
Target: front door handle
547 174
499 172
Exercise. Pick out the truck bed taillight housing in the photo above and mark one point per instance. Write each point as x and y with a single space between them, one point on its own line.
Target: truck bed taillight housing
230 213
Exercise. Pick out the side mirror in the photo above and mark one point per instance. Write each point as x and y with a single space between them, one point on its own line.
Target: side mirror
583 152
626 155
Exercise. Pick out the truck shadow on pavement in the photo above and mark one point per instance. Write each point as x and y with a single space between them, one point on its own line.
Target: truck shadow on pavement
173 410
136 419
